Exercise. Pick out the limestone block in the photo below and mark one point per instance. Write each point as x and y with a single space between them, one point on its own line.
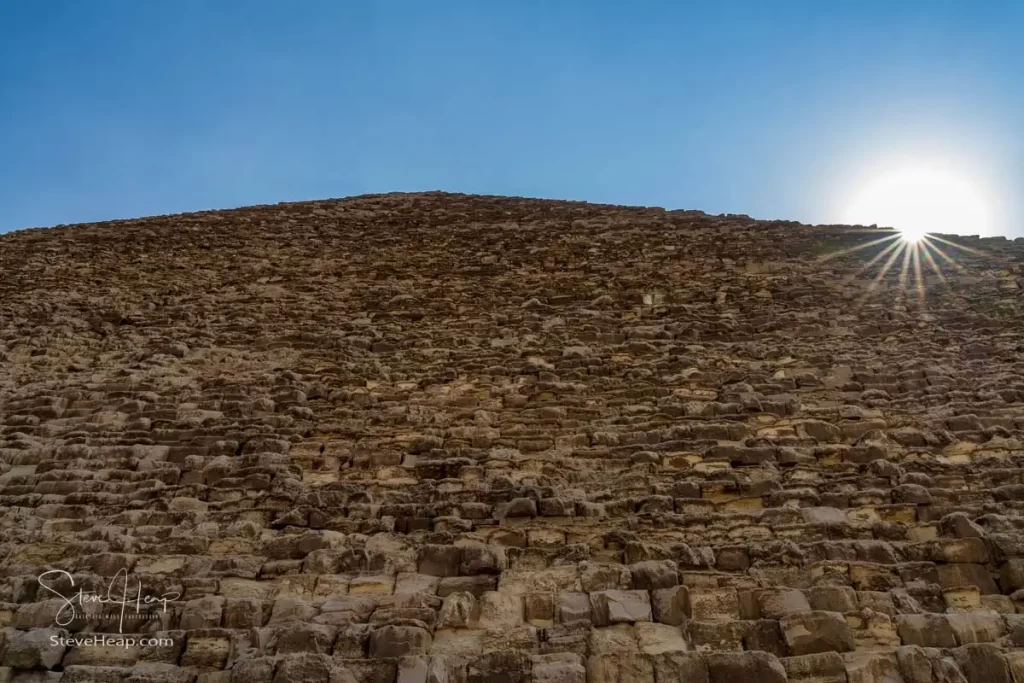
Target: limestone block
314 668
35 648
1015 662
372 585
102 654
813 632
714 605
561 578
508 665
243 613
869 667
291 609
982 663
410 582
822 667
399 641
616 667
500 610
158 672
620 607
618 638
680 666
651 575
79 673
525 638
203 612
572 606
671 605
719 635
925 630
966 575
961 550
658 638
558 668
206 652
976 628
777 603
959 525
440 560
482 559
914 664
596 576
744 666
833 598
459 610
539 608
296 638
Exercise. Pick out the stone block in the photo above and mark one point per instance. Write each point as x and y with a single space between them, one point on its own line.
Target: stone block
572 606
822 667
833 598
620 607
618 638
206 652
440 560
813 632
714 605
964 575
308 668
500 610
976 628
596 576
558 668
734 667
671 605
680 667
617 667
650 575
777 603
982 663
399 641
35 648
658 638
508 666
870 667
203 612
925 630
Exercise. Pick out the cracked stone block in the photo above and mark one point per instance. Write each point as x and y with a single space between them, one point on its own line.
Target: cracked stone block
620 607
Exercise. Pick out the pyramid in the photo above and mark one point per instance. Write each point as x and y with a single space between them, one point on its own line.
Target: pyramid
447 438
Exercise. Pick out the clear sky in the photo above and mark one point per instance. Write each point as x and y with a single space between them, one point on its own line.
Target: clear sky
114 109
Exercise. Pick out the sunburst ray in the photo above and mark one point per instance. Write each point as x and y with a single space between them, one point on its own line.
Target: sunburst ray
918 280
851 250
926 248
901 246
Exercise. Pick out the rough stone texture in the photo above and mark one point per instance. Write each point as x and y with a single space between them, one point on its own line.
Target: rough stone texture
452 439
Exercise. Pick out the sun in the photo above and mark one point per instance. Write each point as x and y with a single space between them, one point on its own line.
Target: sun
920 201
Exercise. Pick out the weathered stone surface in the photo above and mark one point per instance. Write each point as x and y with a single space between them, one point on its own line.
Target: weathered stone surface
618 607
925 630
34 649
398 641
823 667
812 632
775 604
442 438
982 663
745 666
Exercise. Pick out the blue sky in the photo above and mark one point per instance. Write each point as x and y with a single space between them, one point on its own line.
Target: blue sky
114 109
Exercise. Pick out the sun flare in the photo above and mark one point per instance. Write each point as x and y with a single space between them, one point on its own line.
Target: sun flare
920 201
